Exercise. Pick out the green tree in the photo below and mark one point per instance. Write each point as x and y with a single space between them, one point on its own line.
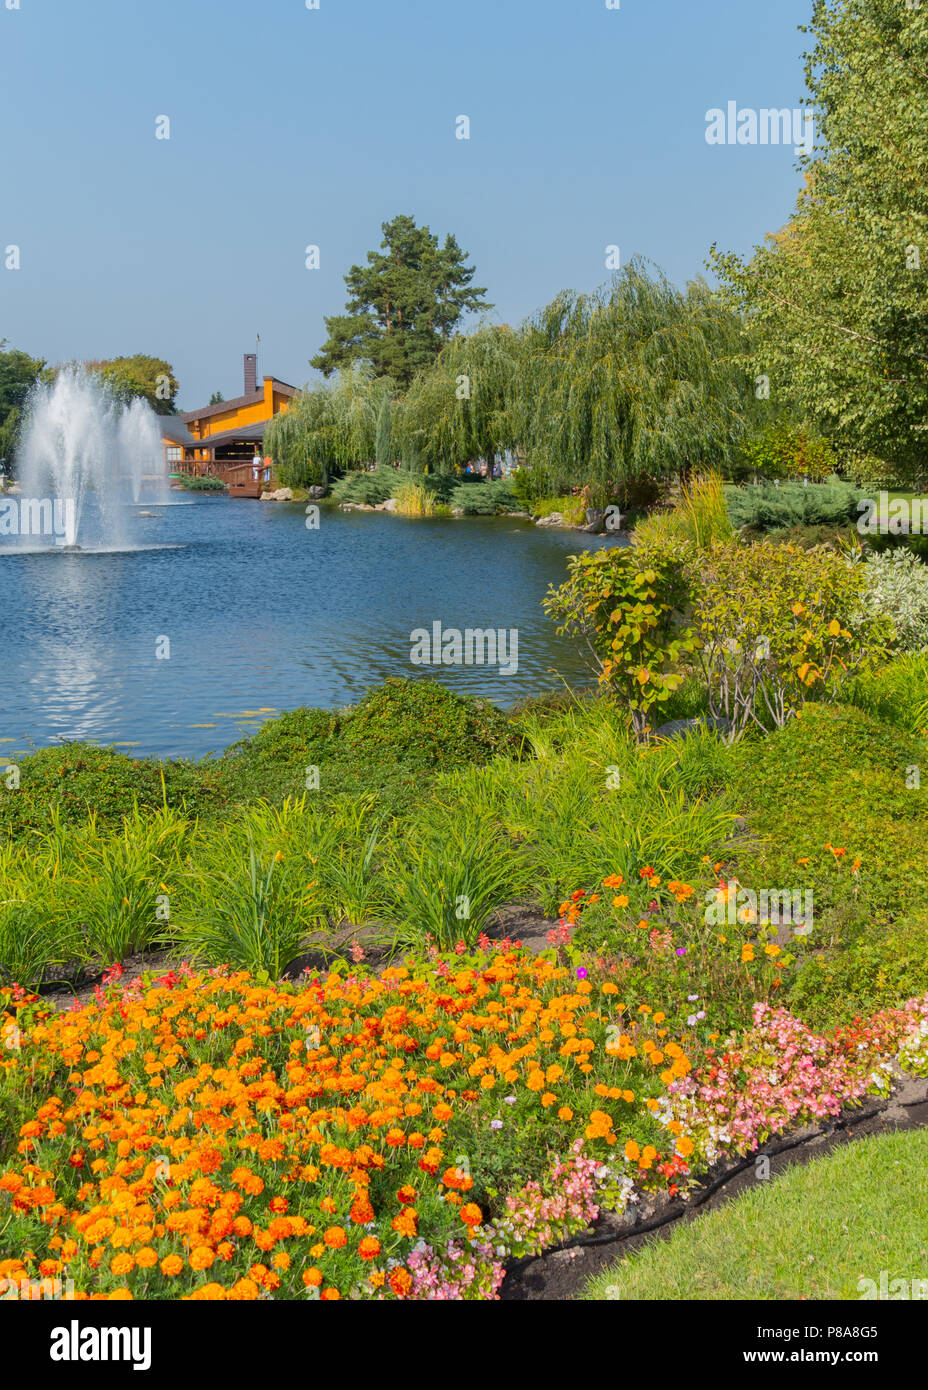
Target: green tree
403 304
18 373
150 378
837 299
635 382
383 439
460 408
216 398
328 429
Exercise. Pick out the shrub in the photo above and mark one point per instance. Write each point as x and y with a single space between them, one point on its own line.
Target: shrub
884 966
626 603
484 499
896 693
392 744
698 518
785 450
78 779
766 508
831 788
207 483
778 627
365 488
897 588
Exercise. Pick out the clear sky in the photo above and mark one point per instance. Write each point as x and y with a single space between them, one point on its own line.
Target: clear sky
292 127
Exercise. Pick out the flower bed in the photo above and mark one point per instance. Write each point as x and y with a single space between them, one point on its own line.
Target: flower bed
209 1137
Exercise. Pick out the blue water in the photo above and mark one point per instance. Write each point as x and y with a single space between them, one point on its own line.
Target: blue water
262 615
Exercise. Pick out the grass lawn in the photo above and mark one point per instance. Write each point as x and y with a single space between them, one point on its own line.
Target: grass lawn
813 1233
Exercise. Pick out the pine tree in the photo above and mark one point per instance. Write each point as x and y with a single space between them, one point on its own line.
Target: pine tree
403 304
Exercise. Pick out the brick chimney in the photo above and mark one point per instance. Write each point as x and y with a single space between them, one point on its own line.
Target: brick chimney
251 373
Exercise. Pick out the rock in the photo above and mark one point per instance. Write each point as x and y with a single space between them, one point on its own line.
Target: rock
390 504
268 496
595 521
315 493
283 494
555 519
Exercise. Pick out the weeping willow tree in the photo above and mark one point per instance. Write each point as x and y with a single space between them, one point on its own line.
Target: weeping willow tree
459 409
329 428
636 382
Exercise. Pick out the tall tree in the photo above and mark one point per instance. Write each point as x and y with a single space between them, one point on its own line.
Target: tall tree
632 384
150 378
403 304
18 373
837 300
459 409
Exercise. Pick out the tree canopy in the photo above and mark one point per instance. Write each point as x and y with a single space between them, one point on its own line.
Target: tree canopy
150 378
836 301
636 381
18 372
403 304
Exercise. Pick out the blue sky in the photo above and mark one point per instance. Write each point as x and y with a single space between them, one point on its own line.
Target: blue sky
292 126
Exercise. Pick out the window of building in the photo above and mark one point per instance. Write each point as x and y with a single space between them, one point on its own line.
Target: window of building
174 454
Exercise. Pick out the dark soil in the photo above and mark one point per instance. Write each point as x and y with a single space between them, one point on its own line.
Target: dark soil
562 1274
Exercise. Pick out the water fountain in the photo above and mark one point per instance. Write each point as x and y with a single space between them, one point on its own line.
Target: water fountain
85 461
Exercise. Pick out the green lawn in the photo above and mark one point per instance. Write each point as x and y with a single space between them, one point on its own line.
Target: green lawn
813 1233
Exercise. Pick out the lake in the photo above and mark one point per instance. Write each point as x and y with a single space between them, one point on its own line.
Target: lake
263 615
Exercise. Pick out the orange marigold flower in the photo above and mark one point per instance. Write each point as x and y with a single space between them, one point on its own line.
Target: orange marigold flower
335 1238
369 1248
171 1265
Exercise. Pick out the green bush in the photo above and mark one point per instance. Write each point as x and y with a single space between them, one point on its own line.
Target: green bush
367 488
767 508
896 693
836 777
786 450
484 499
206 483
886 965
392 744
897 587
778 627
625 603
79 779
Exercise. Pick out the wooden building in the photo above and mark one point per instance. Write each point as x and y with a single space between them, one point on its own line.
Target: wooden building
226 440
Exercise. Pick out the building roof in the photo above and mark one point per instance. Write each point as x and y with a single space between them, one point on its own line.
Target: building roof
175 430
255 398
245 434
